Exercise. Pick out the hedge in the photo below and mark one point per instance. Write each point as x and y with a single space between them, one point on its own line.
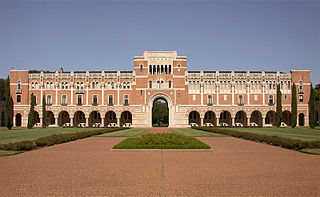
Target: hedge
54 139
272 140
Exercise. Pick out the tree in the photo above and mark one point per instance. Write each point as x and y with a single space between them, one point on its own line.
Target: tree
3 85
44 112
317 92
9 105
312 122
31 113
160 112
294 108
279 107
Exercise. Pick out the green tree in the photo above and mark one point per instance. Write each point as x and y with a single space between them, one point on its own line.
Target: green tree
279 107
160 112
31 113
312 122
44 112
317 92
3 89
9 105
294 108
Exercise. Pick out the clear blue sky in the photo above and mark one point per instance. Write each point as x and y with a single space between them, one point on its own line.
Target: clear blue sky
97 35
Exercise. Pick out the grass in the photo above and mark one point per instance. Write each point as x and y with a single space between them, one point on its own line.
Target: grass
161 141
299 133
195 133
21 134
9 152
315 151
125 133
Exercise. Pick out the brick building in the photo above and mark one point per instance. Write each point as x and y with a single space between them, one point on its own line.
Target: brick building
125 98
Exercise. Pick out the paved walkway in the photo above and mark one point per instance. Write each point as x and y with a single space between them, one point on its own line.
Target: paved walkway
159 130
88 167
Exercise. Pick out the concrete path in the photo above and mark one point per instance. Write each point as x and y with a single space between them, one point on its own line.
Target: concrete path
88 167
159 130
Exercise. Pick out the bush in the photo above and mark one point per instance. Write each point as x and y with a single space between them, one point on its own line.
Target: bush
272 140
19 146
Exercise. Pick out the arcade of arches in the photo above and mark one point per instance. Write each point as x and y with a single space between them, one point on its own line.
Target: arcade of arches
209 118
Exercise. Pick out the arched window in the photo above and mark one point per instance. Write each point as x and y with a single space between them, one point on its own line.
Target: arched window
93 86
128 85
141 68
150 69
124 85
170 85
179 68
19 85
112 85
150 84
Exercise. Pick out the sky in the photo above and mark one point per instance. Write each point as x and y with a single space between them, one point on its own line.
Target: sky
214 35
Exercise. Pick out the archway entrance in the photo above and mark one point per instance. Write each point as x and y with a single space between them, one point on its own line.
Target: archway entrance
160 113
18 120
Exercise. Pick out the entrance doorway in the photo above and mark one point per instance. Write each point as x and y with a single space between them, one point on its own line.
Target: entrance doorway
160 113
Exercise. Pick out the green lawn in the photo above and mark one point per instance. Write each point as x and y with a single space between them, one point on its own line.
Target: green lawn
300 133
195 133
315 151
20 134
9 152
125 133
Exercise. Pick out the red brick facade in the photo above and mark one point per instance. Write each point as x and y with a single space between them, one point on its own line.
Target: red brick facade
118 98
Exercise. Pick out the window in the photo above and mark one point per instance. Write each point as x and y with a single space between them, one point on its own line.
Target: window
179 94
140 92
240 100
194 97
271 100
110 100
79 100
255 97
141 68
285 97
95 100
64 100
179 68
209 99
18 98
35 99
126 100
49 102
300 98
93 86
300 85
124 85
170 84
19 85
150 84
225 97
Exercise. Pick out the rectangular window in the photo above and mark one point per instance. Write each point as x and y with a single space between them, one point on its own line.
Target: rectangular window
209 99
126 100
225 97
64 100
255 97
18 98
141 92
95 100
270 99
300 98
240 100
110 100
79 101
141 68
169 84
150 84
194 97
285 97
49 101
178 94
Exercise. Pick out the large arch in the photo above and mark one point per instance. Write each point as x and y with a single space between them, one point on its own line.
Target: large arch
256 117
63 118
210 118
18 120
241 119
126 118
110 119
301 119
50 118
94 119
150 104
286 117
225 119
194 118
160 112
271 118
79 117
3 119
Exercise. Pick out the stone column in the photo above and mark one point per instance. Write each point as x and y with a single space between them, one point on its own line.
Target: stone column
218 123
248 122
263 121
56 122
87 122
102 122
201 122
71 122
118 122
232 121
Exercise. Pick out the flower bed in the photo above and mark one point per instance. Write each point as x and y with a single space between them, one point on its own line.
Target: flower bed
161 141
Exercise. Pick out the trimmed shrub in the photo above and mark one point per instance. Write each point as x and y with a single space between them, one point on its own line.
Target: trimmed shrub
19 146
272 140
